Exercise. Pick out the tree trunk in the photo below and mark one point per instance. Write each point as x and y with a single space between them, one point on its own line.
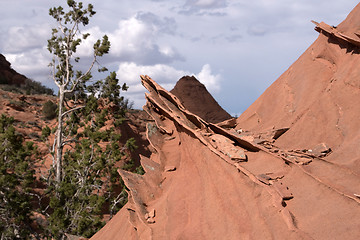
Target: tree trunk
59 140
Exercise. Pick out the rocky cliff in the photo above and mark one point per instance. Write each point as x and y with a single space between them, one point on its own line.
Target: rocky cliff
288 168
9 75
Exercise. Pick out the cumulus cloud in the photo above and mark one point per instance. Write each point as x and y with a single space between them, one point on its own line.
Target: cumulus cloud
165 75
136 40
129 72
164 25
204 7
206 3
23 38
32 64
153 33
211 81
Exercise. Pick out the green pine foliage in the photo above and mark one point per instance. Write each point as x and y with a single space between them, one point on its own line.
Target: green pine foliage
45 132
90 185
33 87
85 147
83 183
16 178
63 44
29 87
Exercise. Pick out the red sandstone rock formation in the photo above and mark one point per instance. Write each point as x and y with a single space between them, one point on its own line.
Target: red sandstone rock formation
289 169
317 97
187 89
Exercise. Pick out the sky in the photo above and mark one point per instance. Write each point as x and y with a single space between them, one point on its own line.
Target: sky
236 48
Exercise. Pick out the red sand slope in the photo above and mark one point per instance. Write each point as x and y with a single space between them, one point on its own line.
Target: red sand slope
289 169
317 98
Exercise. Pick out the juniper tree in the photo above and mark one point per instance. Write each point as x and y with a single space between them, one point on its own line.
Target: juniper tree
65 40
83 183
90 185
16 177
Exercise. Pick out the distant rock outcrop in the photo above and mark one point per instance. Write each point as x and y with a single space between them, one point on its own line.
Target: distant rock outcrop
195 97
8 75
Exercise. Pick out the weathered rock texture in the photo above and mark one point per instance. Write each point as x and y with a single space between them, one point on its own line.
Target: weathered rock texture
195 98
317 97
289 168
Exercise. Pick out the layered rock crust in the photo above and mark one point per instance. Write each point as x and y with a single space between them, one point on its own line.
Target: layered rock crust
287 168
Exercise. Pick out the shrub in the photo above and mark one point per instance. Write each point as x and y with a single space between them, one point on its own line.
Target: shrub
17 105
16 177
45 132
33 87
34 135
49 110
11 88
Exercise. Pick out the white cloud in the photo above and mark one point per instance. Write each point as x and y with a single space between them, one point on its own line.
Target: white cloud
207 3
136 40
166 25
129 72
165 75
22 38
143 33
131 35
204 7
205 76
33 64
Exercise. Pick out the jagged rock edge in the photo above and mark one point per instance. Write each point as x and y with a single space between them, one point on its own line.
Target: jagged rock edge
278 200
157 105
